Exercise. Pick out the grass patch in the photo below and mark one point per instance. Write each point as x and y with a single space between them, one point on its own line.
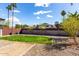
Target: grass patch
28 38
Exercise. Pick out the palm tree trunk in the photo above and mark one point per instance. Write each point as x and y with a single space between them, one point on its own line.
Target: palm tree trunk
12 18
63 18
8 18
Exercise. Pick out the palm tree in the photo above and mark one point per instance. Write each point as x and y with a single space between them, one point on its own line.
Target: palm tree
8 8
76 15
57 25
71 4
13 6
63 13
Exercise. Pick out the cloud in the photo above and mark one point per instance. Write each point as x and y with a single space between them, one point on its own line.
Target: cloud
16 11
42 4
16 20
42 12
50 16
38 17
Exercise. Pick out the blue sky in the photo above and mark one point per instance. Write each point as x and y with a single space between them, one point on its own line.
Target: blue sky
37 13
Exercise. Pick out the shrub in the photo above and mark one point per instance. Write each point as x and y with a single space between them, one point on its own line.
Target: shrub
71 26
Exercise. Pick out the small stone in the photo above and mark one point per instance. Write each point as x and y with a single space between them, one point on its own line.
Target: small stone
62 48
77 48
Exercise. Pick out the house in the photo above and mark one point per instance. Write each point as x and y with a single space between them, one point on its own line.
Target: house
1 21
1 25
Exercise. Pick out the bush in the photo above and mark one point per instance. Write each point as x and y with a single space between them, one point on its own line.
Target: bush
71 26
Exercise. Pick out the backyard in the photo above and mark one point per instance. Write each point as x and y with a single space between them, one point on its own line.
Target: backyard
39 31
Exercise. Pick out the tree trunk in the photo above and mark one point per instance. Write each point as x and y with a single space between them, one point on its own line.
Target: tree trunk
63 18
12 18
75 41
8 18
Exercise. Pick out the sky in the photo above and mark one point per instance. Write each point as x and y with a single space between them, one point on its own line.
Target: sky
37 13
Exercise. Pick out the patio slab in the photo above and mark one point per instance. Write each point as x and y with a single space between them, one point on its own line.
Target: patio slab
11 48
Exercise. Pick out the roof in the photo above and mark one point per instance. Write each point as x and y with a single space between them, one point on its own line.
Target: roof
1 19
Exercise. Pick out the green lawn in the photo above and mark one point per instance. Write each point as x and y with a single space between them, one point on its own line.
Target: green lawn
28 38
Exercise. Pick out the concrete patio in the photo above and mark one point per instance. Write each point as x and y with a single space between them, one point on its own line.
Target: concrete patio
11 48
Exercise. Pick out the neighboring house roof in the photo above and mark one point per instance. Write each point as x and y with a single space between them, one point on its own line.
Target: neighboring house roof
1 22
1 19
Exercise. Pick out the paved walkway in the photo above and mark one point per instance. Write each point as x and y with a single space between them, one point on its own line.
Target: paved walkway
10 48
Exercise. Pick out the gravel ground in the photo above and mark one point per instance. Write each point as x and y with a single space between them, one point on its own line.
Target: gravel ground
45 50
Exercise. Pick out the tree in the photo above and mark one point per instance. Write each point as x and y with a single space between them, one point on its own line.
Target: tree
76 15
8 8
71 26
6 23
71 4
37 27
17 26
43 25
13 6
24 26
57 25
63 13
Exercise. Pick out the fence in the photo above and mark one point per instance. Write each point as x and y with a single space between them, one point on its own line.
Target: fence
44 32
7 31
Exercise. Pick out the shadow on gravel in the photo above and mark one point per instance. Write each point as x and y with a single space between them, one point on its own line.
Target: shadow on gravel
57 46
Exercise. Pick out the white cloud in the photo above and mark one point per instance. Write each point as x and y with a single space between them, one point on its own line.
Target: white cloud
38 17
42 12
42 4
16 11
50 16
15 21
